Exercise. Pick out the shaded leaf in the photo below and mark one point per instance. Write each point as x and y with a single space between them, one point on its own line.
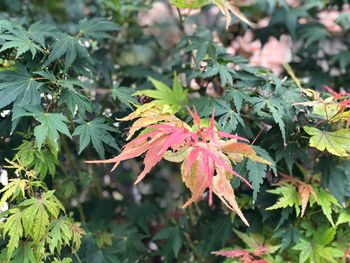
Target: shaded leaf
95 132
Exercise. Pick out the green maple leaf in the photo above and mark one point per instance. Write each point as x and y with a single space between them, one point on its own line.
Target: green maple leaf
291 153
257 173
344 217
51 124
337 142
18 87
205 106
265 155
173 237
24 254
223 71
175 98
42 161
13 189
39 31
97 28
123 94
318 249
128 242
95 131
275 110
326 201
14 229
60 234
289 198
37 213
71 96
229 121
237 97
69 48
16 37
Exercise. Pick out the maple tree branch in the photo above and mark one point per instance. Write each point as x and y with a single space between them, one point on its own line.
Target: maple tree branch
258 135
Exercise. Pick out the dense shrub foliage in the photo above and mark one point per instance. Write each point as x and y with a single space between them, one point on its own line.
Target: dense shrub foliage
226 124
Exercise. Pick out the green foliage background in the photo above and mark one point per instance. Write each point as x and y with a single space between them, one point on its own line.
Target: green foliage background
69 69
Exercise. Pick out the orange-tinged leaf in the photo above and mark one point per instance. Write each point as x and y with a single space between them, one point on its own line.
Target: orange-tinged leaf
149 120
195 180
223 189
237 151
304 192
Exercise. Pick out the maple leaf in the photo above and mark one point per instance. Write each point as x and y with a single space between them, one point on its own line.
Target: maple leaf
70 48
123 95
59 232
295 193
77 233
344 217
73 98
16 37
97 132
319 249
50 126
37 212
13 228
18 87
204 153
289 198
337 142
13 189
305 191
171 99
327 201
96 28
173 236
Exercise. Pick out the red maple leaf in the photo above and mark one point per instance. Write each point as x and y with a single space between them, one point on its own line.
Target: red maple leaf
206 162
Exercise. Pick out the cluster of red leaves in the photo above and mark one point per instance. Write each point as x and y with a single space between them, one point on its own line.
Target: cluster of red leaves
244 255
205 153
342 97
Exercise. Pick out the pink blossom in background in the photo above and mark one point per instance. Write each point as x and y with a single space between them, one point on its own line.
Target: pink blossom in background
246 45
264 22
328 19
273 54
